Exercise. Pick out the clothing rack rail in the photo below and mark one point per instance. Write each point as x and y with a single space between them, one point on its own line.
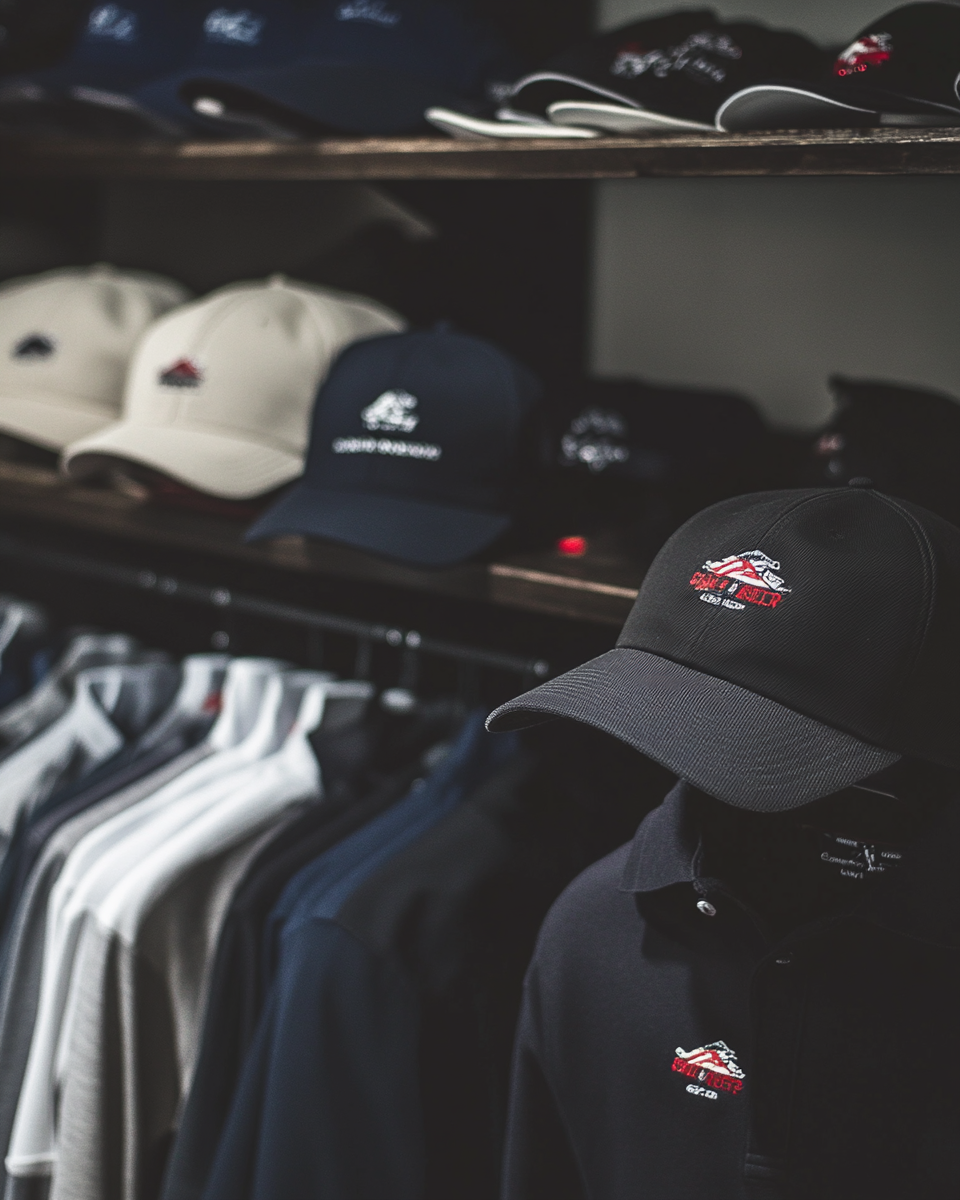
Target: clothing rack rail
225 599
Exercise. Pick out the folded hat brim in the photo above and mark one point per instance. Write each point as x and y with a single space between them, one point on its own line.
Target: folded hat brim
228 467
789 105
462 125
50 420
617 118
738 746
411 531
356 98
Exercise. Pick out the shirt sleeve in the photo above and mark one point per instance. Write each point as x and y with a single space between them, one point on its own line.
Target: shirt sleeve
539 1163
330 1102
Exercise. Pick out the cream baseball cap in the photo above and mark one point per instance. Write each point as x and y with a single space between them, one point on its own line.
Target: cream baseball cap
220 392
66 338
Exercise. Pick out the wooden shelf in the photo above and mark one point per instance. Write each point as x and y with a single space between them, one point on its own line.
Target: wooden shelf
817 152
599 589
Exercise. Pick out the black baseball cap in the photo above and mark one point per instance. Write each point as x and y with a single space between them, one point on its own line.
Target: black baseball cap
784 645
356 66
667 72
414 450
905 438
630 430
903 69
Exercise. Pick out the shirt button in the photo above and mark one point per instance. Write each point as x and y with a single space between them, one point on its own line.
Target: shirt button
705 907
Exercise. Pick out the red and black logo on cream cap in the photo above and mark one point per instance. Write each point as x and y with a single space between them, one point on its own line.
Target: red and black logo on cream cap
184 373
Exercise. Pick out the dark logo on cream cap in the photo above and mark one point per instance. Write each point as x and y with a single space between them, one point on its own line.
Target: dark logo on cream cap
35 345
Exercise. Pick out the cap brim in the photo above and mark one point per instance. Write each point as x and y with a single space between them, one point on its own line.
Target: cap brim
828 106
411 531
231 468
50 421
731 743
349 97
461 125
616 118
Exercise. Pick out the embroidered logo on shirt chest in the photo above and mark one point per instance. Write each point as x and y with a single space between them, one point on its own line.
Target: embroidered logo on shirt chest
712 1069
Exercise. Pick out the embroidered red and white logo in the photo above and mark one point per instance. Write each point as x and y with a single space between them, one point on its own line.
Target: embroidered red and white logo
184 373
741 579
712 1068
871 51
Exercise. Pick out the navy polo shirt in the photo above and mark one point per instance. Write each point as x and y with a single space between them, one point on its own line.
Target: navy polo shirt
669 1048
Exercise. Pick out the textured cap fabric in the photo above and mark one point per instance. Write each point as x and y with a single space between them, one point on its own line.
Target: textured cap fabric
783 645
903 69
220 392
66 340
414 451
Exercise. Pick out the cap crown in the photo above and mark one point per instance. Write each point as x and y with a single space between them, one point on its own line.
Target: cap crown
420 36
433 416
68 335
245 362
914 51
838 604
131 40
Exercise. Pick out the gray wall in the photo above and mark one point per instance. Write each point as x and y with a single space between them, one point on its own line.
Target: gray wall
770 285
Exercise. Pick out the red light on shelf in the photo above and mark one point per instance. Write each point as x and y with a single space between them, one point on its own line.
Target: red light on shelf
572 547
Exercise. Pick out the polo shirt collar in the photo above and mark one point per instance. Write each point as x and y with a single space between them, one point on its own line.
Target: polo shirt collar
920 899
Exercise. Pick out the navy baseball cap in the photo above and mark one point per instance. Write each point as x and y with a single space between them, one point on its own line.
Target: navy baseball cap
903 69
414 451
357 66
227 39
120 47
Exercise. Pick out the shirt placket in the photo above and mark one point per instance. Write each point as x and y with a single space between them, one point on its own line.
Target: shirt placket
778 1003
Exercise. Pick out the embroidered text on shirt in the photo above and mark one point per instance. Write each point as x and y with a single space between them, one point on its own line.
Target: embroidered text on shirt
854 859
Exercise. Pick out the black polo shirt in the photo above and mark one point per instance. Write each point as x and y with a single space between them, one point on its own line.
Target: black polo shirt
670 1049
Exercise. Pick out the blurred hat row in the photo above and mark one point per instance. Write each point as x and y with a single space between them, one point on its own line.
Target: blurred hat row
423 446
283 68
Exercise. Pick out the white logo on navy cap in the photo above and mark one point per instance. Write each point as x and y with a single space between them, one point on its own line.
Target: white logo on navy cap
112 23
392 412
373 11
230 28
